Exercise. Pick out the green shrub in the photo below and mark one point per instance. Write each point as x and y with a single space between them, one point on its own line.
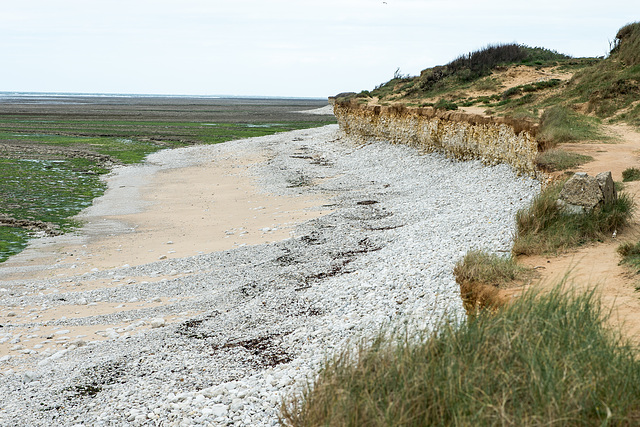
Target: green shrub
630 174
630 254
443 104
544 228
527 99
543 360
512 91
532 87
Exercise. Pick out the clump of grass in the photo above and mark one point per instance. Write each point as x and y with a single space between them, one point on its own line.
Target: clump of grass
481 274
543 360
630 254
485 267
561 124
630 174
444 104
559 160
543 227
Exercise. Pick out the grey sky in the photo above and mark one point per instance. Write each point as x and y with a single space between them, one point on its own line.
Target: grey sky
275 47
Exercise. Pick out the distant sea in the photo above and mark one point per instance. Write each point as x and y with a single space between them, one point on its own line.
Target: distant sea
56 96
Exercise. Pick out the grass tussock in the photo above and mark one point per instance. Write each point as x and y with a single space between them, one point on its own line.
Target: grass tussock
559 160
631 174
484 267
561 124
481 275
524 365
630 253
544 228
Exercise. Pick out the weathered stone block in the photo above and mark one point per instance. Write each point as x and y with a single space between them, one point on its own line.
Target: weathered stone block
607 186
581 190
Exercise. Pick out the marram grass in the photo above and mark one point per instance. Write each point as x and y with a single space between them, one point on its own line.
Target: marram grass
544 360
484 267
544 228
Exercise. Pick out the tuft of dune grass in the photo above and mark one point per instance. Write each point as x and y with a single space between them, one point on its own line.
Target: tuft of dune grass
543 360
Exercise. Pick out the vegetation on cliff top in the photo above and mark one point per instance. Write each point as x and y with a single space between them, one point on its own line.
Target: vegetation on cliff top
526 82
466 69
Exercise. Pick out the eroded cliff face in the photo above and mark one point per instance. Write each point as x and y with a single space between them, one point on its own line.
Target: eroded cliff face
459 135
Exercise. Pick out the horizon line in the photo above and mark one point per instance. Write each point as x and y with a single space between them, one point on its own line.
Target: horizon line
148 95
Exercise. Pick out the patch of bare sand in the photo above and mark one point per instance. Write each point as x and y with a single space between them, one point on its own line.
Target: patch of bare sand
213 206
193 210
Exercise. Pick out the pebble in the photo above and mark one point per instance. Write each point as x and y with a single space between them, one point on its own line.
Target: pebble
157 322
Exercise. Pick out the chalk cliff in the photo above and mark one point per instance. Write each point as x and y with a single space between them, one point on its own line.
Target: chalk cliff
460 135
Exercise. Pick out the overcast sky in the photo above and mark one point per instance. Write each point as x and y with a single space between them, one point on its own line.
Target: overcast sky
296 48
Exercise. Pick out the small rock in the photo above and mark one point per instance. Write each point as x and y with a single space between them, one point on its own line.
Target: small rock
31 376
218 410
157 322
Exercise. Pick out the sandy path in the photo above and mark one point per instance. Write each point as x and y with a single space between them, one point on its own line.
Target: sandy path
597 265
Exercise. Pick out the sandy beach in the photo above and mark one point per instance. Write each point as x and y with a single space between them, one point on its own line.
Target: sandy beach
180 206
166 212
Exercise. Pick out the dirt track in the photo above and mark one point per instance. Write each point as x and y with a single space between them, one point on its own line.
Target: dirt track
597 265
